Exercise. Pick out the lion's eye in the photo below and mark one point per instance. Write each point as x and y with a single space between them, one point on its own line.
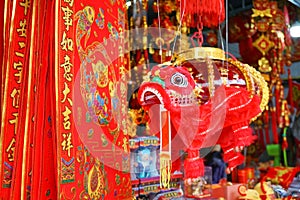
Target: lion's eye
179 80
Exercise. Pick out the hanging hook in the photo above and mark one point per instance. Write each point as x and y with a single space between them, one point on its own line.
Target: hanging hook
198 35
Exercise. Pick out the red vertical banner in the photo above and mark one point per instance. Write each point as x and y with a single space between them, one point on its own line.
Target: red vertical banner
21 183
34 146
91 127
7 6
64 75
43 185
14 67
2 8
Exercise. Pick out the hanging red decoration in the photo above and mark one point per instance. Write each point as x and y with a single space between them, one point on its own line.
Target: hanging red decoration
268 50
191 101
210 12
240 27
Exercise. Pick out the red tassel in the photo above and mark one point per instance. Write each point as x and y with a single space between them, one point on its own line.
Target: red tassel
266 120
277 102
193 165
243 135
235 161
274 126
232 157
290 83
284 143
212 12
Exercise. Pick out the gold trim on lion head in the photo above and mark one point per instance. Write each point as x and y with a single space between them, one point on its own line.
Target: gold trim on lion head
255 82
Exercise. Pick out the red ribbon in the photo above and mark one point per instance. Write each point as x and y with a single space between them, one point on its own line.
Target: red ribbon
266 122
290 83
274 126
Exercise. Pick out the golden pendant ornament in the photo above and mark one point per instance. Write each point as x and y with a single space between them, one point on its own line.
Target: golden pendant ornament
264 65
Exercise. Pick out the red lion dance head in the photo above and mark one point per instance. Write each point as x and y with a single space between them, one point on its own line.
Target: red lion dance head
210 100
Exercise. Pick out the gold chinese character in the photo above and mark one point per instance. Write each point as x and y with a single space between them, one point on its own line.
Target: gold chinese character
66 91
67 17
19 54
26 5
18 66
21 45
67 65
67 143
66 43
14 121
10 150
70 2
22 29
15 95
67 123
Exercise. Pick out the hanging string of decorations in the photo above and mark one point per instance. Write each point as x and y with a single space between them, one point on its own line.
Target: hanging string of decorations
268 48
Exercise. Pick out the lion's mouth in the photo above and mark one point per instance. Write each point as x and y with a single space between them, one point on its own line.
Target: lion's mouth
155 94
151 96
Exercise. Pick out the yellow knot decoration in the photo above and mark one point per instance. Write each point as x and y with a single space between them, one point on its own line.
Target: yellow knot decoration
261 13
165 170
264 65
